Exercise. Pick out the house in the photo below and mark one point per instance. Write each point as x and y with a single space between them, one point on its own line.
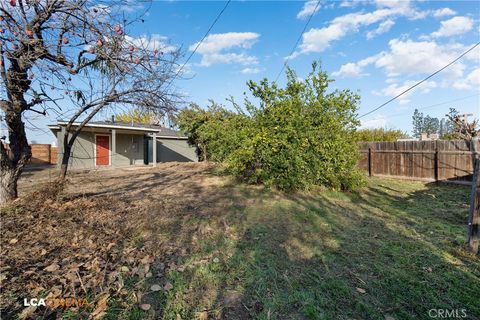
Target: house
117 144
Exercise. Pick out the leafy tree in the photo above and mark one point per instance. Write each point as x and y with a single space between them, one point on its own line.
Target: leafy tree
379 134
300 135
431 125
211 131
135 115
427 124
448 132
417 123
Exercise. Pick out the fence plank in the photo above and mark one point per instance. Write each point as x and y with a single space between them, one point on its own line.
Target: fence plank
424 160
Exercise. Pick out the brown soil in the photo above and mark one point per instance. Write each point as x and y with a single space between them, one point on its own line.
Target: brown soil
85 239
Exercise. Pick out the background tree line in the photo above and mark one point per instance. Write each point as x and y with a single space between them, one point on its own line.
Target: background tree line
445 127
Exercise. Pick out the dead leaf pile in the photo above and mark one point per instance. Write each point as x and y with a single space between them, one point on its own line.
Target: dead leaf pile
87 238
71 248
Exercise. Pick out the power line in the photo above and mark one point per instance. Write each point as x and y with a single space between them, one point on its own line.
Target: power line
420 82
298 40
434 105
200 42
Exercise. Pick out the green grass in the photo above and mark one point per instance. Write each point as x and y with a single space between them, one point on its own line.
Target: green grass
308 256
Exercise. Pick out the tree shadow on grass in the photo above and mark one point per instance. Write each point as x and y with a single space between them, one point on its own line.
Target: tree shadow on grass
242 252
361 256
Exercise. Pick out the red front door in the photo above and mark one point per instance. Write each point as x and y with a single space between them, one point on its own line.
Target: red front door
103 150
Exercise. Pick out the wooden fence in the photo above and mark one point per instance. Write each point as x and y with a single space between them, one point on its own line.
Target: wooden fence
41 153
437 160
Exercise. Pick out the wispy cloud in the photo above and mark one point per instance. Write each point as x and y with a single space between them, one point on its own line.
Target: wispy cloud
250 70
310 7
453 27
383 27
443 12
227 47
319 39
379 121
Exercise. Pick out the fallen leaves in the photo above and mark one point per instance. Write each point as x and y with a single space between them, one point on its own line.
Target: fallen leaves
155 287
84 246
362 291
203 315
52 268
145 306
100 307
27 313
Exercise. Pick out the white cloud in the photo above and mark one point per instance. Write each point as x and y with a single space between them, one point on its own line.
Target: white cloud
348 70
453 26
382 28
319 39
379 121
443 12
395 89
419 57
250 70
349 3
470 81
151 42
413 58
310 7
215 46
354 69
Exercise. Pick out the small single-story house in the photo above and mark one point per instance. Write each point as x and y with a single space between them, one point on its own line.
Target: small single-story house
118 144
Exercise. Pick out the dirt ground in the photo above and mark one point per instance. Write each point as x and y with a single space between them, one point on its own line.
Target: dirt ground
102 221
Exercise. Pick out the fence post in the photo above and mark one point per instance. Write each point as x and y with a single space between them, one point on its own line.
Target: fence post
473 234
369 162
436 162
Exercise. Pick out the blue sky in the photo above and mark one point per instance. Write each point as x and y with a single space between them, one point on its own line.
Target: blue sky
376 47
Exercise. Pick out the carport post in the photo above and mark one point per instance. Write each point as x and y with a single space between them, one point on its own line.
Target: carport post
154 149
114 146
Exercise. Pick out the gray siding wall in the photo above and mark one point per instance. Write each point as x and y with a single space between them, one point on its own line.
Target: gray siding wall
129 150
175 150
172 150
82 151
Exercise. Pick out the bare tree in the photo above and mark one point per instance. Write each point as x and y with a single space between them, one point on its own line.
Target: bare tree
78 51
463 129
469 132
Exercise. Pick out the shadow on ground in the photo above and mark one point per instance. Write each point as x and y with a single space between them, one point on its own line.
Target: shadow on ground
394 249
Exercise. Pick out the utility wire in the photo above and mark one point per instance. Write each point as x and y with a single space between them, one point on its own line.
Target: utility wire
420 82
434 105
298 40
199 43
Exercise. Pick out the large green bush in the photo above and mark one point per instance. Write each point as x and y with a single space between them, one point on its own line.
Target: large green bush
296 137
213 130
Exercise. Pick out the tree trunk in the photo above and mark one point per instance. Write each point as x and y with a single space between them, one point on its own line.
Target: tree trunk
67 150
12 166
473 234
8 184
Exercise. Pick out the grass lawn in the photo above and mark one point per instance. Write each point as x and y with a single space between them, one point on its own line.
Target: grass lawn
222 250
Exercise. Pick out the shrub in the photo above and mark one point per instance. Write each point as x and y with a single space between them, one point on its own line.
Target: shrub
297 137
